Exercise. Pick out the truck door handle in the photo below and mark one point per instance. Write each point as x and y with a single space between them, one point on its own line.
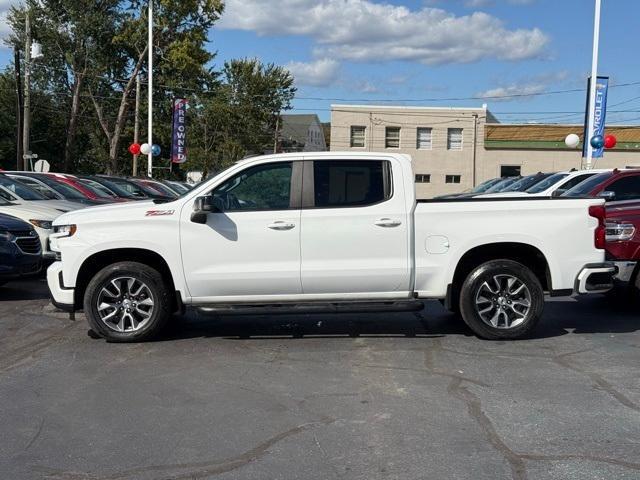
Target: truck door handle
280 225
387 222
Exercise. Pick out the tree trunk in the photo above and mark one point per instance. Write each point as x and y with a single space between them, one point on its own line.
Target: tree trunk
114 136
73 122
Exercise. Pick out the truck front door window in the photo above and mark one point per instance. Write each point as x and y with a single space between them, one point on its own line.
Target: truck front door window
264 187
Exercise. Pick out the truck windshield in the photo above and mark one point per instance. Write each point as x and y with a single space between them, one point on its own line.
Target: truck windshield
546 183
585 188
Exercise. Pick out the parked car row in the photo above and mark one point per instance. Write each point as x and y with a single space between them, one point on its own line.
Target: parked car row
620 189
30 201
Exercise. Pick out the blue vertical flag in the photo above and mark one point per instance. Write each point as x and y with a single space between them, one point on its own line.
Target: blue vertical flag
179 134
600 113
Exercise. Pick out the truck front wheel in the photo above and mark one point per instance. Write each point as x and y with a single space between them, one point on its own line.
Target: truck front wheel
127 302
501 299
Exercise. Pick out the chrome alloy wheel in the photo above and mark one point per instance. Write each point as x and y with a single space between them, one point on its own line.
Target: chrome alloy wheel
503 302
125 304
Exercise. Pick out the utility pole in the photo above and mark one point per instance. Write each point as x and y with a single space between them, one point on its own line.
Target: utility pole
475 149
594 81
275 136
150 93
136 125
16 62
26 114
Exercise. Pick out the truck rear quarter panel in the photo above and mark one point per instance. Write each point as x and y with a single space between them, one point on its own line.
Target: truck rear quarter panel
561 229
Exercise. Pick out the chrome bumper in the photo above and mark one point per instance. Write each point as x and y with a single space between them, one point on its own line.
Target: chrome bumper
596 278
625 271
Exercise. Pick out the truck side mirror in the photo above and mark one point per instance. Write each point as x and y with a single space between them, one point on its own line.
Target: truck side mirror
557 193
201 207
608 195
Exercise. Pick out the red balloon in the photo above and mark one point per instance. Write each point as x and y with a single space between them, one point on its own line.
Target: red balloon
610 141
134 148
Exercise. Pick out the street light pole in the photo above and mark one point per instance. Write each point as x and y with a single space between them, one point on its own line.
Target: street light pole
150 93
593 84
26 108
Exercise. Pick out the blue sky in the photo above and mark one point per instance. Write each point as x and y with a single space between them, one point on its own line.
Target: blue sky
394 51
512 46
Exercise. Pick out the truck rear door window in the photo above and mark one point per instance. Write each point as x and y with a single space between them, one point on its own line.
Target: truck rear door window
356 183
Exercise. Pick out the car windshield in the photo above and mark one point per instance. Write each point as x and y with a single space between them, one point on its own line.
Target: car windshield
498 187
21 190
65 190
585 188
484 186
123 188
526 182
96 188
163 189
546 183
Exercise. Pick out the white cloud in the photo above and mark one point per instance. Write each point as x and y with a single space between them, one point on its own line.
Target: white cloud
5 30
512 92
362 30
524 90
318 73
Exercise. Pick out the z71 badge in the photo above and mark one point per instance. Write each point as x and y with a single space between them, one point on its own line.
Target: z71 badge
158 213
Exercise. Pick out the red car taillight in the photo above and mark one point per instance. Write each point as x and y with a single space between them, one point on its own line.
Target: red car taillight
599 212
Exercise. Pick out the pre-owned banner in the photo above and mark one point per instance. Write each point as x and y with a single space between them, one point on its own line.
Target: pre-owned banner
600 113
179 133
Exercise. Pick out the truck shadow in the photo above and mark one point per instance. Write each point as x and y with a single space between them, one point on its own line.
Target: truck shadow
589 315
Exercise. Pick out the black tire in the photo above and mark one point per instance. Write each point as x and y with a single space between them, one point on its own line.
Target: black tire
482 280
158 291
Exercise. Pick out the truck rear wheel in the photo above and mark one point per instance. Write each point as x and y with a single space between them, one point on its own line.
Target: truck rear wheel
127 302
501 299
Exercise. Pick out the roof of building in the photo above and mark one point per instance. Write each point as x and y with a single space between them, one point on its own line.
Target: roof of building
551 137
294 127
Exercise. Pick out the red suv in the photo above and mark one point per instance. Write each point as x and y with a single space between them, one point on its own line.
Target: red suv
613 185
623 241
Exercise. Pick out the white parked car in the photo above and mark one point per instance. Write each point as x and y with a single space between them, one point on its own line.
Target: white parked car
40 217
13 190
553 185
330 230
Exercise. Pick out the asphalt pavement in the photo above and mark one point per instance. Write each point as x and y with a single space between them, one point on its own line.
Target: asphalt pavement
375 396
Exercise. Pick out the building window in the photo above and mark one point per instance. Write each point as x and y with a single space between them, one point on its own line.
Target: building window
510 170
454 139
357 136
423 138
392 137
452 179
423 178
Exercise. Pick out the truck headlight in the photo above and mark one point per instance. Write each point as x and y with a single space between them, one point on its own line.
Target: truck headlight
44 224
619 232
62 231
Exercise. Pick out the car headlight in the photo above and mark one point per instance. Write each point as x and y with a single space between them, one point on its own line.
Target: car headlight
6 236
44 224
62 231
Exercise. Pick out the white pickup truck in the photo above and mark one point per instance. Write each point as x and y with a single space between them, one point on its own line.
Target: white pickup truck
324 231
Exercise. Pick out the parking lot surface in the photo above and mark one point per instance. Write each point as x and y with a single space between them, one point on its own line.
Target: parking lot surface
384 396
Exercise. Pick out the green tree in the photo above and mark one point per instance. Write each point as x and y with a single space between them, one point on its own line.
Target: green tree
239 117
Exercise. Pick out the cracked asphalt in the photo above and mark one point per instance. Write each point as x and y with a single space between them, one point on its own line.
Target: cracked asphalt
385 396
